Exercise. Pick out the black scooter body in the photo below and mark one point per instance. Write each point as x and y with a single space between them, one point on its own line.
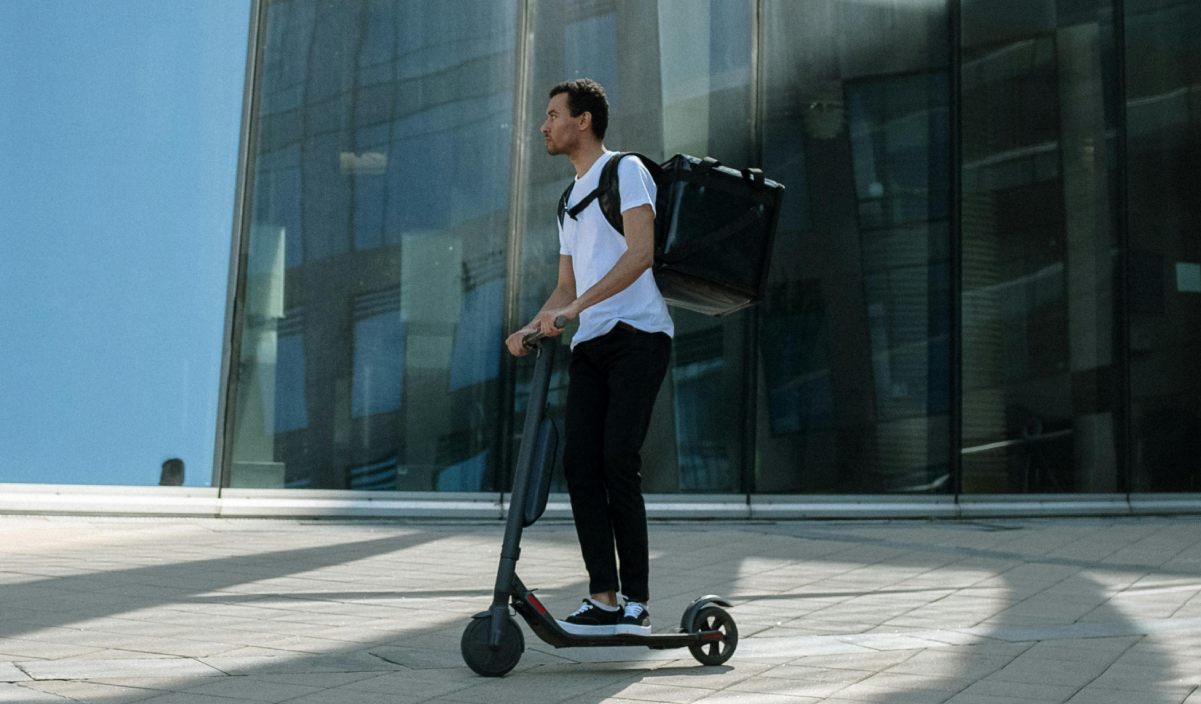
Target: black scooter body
492 643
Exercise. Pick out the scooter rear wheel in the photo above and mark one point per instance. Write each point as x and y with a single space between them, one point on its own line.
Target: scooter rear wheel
714 618
478 653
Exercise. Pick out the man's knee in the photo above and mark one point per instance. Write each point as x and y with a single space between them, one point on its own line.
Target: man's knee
623 471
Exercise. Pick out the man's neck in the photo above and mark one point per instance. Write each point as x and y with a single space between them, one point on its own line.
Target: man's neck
583 158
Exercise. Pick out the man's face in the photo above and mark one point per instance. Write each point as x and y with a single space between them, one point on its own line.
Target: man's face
561 131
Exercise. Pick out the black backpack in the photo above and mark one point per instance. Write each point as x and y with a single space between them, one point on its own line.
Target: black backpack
714 228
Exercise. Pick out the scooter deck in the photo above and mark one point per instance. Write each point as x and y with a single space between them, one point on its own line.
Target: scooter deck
548 630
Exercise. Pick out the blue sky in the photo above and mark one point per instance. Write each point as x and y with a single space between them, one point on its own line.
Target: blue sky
119 126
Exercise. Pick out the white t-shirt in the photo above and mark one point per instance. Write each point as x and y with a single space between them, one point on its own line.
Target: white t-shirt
594 247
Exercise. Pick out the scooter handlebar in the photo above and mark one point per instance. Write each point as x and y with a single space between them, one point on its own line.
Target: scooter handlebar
531 340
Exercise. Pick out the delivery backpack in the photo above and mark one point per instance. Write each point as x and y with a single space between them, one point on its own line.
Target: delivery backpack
713 229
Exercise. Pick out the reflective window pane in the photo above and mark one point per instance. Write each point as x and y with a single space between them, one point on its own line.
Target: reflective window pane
853 337
1163 118
370 338
678 77
1040 379
119 133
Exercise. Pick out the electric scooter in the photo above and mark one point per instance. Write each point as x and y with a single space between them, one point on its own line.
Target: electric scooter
492 643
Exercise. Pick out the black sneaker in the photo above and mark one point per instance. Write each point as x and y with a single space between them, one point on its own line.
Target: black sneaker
592 619
635 620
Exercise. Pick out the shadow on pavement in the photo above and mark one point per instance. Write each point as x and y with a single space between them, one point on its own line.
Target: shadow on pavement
1053 626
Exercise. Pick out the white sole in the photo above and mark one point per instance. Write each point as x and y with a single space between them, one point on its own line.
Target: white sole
577 630
627 630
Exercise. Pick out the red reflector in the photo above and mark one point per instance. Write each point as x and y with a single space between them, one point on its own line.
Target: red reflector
533 601
712 635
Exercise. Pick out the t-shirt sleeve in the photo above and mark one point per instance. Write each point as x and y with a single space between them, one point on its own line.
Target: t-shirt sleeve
635 183
564 246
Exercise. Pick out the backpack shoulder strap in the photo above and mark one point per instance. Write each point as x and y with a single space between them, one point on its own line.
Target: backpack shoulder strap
610 197
608 191
563 202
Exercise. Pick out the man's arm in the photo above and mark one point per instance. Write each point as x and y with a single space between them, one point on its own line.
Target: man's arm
563 295
639 225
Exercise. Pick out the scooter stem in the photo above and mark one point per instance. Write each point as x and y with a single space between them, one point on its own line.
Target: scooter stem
510 549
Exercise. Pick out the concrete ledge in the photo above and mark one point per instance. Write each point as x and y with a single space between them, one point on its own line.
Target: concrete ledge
1161 504
71 499
1033 505
109 500
667 506
791 507
317 503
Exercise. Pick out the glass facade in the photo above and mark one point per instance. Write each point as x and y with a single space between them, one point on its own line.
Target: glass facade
986 278
376 255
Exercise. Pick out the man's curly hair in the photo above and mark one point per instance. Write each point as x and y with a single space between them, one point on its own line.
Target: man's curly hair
586 95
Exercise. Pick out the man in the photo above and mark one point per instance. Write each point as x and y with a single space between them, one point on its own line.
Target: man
620 355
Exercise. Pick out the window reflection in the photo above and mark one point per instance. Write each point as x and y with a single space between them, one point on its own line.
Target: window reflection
853 336
1038 250
1163 117
380 203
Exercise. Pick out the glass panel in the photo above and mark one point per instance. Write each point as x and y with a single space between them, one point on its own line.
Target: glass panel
853 337
119 129
371 334
1163 117
1039 374
678 78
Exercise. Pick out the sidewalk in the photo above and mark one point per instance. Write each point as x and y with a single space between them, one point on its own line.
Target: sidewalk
200 611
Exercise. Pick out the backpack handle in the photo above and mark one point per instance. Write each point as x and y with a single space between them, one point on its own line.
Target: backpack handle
707 164
755 176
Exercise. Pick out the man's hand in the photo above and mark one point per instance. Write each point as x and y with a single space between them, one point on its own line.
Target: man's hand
514 342
545 321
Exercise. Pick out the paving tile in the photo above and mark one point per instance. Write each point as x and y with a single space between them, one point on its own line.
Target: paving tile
187 698
11 673
83 691
412 684
1022 691
1048 672
131 667
1105 695
254 689
729 697
651 692
18 694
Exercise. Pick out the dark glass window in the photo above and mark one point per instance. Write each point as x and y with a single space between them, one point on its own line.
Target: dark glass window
1163 118
1040 379
370 331
853 337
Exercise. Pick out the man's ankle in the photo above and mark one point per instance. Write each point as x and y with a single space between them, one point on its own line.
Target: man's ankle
606 598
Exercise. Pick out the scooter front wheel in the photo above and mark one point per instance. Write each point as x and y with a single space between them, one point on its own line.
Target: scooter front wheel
477 650
716 652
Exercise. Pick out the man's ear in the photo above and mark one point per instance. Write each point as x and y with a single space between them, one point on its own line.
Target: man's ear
585 121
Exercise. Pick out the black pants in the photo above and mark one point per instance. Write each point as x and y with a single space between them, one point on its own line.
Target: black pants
614 381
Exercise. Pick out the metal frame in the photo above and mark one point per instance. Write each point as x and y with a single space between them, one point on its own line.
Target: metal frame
235 290
1126 460
517 174
955 249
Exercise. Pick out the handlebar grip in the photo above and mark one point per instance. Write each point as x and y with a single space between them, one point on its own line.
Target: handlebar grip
533 338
